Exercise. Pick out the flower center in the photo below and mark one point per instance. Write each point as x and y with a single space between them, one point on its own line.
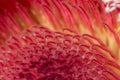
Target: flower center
41 54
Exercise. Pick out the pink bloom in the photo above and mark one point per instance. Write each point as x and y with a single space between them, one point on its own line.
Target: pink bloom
58 40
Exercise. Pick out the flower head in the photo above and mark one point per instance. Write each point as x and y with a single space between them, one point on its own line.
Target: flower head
58 40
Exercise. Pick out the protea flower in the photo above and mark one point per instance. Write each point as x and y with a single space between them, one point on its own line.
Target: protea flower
58 40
